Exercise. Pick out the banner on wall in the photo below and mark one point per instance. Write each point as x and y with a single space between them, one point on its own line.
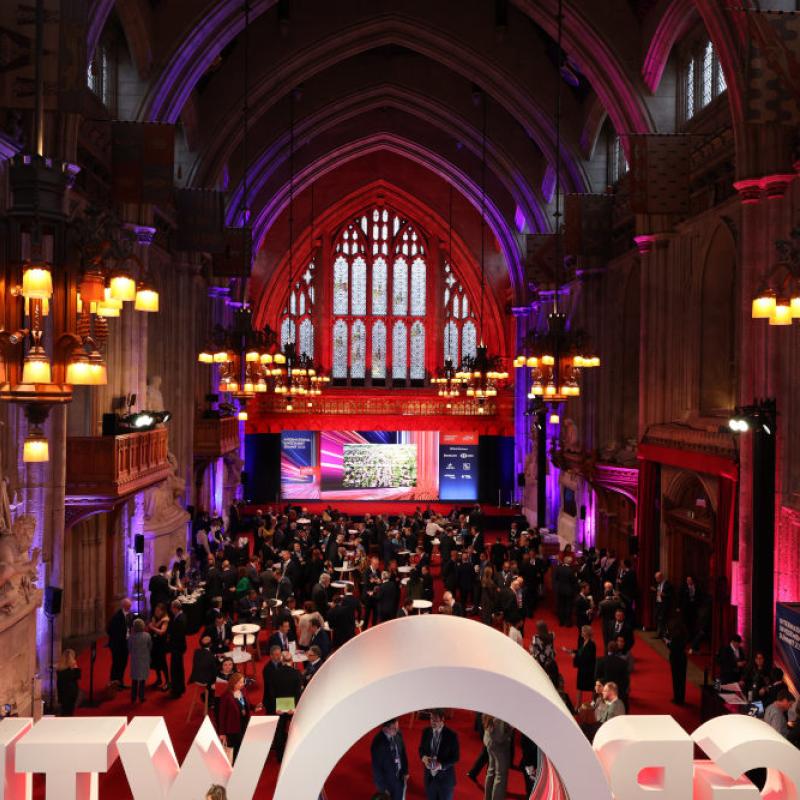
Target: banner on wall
787 636
299 468
458 466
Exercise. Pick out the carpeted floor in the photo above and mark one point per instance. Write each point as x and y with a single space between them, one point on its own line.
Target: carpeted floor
351 779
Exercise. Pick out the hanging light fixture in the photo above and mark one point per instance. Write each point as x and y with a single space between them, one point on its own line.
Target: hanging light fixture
777 299
295 373
557 356
482 373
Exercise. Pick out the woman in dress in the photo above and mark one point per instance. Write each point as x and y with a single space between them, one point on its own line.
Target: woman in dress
140 646
234 714
158 655
67 676
489 592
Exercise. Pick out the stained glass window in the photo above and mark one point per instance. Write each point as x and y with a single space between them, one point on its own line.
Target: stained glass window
307 337
708 74
468 340
379 287
451 342
358 306
340 285
339 368
358 346
689 89
417 371
379 350
418 288
400 288
379 301
399 359
288 332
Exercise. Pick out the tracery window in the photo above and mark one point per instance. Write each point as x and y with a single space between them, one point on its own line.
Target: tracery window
702 78
297 323
381 308
617 163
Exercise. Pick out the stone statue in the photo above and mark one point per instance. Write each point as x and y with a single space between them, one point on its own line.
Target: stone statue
18 564
155 400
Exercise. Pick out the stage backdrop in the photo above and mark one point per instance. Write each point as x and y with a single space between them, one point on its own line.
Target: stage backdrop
787 634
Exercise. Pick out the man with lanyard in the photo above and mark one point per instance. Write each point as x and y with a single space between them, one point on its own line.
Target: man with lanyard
389 761
439 752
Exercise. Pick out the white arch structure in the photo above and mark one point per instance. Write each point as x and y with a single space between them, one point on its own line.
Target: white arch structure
423 662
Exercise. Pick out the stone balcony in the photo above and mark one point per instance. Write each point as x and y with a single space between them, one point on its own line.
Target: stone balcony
112 467
215 436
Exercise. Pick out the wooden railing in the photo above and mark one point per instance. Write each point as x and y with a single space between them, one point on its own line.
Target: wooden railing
114 466
213 437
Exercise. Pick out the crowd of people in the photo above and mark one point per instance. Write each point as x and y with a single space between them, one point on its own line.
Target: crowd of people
312 582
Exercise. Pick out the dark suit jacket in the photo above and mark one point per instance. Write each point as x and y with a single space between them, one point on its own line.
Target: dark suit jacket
386 599
280 681
322 640
160 591
204 667
275 639
342 619
613 668
386 772
118 628
176 634
320 598
583 608
220 639
729 672
447 755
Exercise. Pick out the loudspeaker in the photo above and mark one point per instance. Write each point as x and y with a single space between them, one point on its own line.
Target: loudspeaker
583 512
138 543
52 600
521 480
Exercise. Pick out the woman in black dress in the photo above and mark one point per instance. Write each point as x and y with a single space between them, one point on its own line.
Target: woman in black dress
158 655
67 676
584 660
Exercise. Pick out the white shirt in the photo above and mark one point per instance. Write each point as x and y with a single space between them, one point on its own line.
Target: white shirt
515 635
432 528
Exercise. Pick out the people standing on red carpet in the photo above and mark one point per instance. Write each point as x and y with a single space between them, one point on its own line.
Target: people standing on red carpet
140 646
584 659
68 674
119 628
389 761
234 714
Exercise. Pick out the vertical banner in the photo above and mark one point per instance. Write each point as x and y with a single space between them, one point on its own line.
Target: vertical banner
235 260
659 174
540 259
458 466
72 56
787 636
142 156
200 218
299 465
587 229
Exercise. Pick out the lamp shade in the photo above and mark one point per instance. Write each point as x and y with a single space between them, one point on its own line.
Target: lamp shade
35 449
37 282
764 305
242 416
105 310
146 299
92 287
79 371
98 371
123 287
36 367
782 314
205 357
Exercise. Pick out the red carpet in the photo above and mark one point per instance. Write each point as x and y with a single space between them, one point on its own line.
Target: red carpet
651 693
360 507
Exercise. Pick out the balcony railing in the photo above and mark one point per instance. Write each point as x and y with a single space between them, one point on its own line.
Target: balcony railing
215 436
115 466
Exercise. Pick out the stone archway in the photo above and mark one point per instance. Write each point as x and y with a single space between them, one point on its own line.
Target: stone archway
421 662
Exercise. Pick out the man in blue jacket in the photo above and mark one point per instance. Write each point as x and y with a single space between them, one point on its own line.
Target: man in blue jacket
389 760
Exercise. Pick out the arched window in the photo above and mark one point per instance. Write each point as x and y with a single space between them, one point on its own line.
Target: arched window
297 324
460 333
381 277
701 78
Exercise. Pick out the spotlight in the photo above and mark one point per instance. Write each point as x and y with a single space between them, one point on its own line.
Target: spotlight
141 420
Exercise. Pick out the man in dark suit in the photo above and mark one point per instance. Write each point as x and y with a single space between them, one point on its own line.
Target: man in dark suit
389 761
371 581
465 579
407 609
342 619
732 660
584 609
450 571
319 594
176 644
119 628
320 638
615 669
566 587
280 637
204 664
313 664
281 679
628 588
439 751
621 627
220 635
386 597
159 589
456 609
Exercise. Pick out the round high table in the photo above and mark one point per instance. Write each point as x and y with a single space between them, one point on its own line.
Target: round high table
247 629
421 606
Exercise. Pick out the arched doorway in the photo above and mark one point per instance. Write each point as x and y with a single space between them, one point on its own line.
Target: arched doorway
690 523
